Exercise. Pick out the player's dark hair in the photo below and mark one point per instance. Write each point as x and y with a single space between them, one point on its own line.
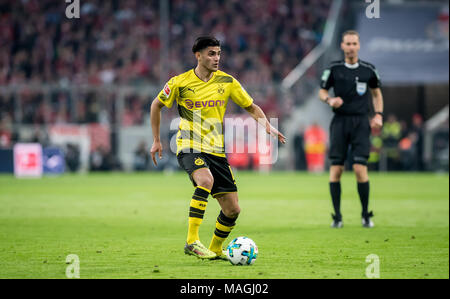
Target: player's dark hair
204 42
350 32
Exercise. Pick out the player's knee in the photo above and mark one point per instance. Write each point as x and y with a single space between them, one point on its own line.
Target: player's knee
206 181
360 168
233 212
360 172
336 173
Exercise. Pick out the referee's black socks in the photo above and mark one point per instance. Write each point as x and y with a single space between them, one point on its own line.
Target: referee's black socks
335 190
363 191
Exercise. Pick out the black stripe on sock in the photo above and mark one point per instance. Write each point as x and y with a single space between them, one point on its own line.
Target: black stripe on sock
195 215
195 210
223 223
201 193
224 220
221 233
199 198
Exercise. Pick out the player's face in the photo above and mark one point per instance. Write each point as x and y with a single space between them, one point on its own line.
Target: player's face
350 45
209 58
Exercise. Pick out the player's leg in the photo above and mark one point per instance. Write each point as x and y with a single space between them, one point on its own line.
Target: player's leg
197 168
362 179
335 192
204 181
337 156
361 149
226 220
225 191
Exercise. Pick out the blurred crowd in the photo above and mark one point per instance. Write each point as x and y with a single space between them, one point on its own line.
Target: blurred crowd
119 43
402 145
398 146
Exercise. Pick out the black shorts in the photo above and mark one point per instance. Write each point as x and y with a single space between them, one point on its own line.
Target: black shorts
349 132
221 171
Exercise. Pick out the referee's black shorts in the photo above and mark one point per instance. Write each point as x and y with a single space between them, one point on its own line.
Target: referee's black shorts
224 181
349 131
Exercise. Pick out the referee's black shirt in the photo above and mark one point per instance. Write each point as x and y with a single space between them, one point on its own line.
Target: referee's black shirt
351 83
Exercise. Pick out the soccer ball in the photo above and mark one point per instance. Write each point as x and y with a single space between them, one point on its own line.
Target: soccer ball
242 251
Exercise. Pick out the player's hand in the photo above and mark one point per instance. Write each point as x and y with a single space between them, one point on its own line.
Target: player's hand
335 102
275 133
156 148
376 122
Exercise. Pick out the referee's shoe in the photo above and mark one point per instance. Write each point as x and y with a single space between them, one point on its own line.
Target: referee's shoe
337 221
366 221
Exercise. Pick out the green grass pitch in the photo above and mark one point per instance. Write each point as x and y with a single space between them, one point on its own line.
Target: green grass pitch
134 226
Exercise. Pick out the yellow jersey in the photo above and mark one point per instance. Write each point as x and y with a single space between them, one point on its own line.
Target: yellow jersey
202 107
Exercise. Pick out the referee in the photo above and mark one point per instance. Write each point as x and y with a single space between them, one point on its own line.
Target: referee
351 124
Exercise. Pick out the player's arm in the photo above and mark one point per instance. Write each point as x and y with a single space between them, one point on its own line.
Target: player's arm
258 114
155 120
326 82
378 105
334 102
377 99
165 98
243 99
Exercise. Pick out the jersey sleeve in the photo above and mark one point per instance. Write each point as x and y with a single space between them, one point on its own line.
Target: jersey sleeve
169 93
239 95
327 81
375 81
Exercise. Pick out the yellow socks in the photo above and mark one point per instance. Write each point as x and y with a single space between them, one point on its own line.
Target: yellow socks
224 225
196 212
